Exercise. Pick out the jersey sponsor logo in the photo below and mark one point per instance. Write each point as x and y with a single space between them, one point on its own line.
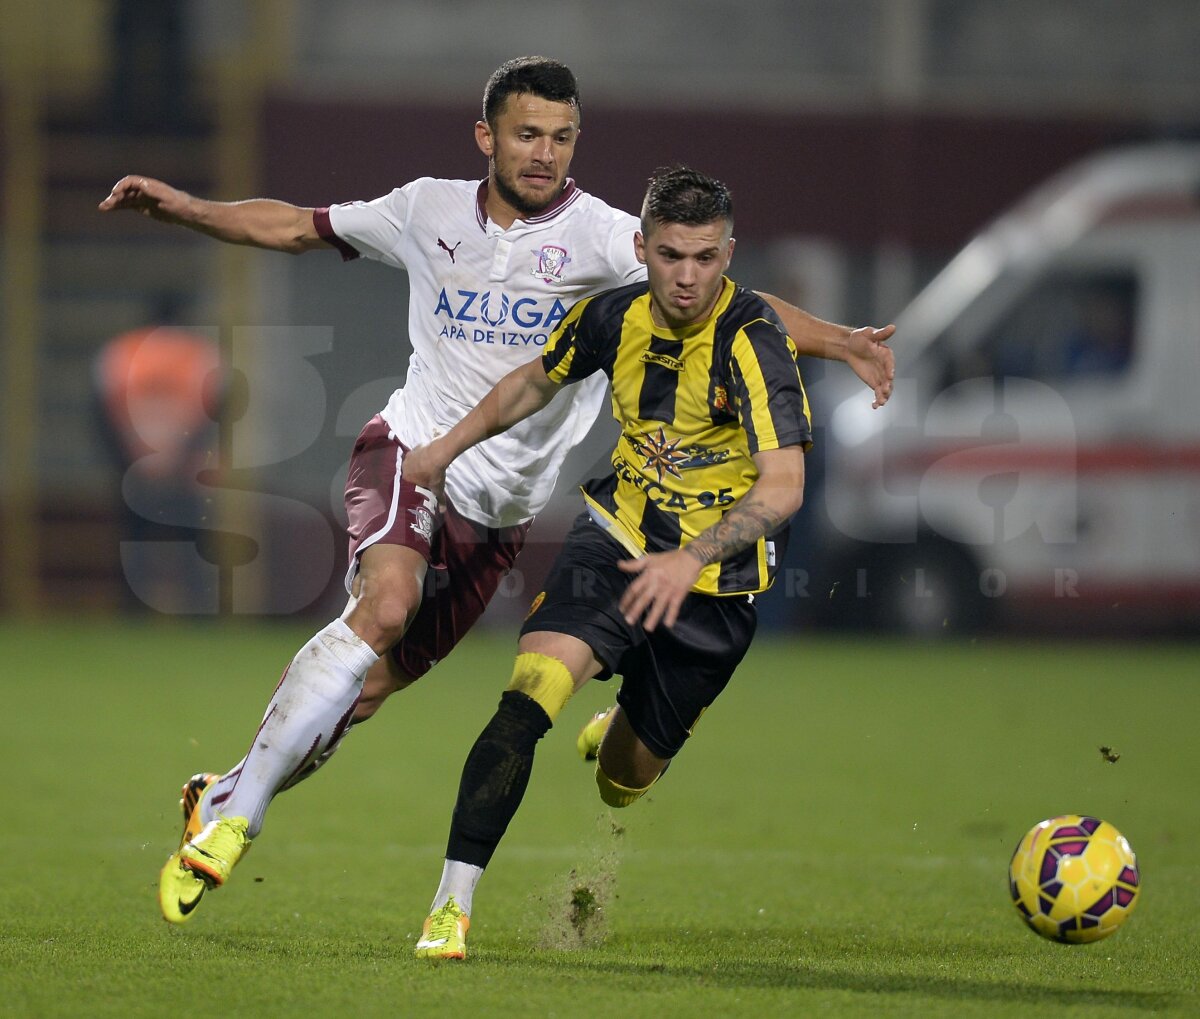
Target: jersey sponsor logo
659 495
661 456
666 360
665 457
551 260
475 316
449 250
494 312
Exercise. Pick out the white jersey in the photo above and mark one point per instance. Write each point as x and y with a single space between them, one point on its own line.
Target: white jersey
482 301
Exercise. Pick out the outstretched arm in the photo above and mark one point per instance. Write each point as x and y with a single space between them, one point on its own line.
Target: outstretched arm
665 578
258 222
865 349
522 392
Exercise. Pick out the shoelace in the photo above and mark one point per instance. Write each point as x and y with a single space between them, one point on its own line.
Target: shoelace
222 839
445 922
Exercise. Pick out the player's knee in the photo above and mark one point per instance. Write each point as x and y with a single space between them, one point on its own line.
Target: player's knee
393 612
389 604
544 679
617 795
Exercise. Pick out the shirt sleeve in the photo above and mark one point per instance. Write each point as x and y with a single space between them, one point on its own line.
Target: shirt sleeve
374 229
768 392
569 354
621 255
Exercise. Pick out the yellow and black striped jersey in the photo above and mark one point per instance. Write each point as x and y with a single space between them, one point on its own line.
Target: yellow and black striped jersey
694 406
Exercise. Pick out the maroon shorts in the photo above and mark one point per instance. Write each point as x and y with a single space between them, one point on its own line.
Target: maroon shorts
468 560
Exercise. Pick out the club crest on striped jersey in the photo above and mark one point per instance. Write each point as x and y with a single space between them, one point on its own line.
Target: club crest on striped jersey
551 260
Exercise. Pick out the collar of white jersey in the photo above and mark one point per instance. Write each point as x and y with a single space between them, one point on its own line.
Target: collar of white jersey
570 193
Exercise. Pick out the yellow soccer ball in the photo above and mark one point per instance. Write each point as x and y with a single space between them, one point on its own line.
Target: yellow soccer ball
1074 878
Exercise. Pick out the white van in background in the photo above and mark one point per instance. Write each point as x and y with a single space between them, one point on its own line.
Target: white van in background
1040 459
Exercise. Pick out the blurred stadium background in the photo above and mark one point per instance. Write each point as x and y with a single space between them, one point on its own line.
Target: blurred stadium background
865 140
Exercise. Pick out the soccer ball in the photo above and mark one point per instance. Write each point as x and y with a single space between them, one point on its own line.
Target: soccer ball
1074 878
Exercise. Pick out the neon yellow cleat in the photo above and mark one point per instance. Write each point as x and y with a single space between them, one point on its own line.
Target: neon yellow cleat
591 735
444 935
206 854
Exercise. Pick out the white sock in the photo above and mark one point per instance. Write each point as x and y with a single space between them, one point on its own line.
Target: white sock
458 880
309 712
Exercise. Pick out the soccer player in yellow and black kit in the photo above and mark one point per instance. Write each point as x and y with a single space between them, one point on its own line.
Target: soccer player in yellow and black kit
656 579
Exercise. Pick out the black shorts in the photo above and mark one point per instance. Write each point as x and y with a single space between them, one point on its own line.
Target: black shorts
670 675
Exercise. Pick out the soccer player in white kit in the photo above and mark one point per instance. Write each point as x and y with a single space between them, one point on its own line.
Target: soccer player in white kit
493 266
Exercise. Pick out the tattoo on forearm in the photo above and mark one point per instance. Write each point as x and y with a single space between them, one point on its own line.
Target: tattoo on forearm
740 528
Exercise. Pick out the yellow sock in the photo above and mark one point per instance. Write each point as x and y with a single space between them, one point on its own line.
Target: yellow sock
617 795
545 679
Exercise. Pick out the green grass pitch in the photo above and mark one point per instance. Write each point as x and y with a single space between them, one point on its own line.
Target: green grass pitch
833 841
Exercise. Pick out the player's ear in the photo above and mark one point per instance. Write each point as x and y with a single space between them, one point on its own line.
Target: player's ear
729 253
483 137
639 246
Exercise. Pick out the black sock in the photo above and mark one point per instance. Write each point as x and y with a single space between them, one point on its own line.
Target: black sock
494 778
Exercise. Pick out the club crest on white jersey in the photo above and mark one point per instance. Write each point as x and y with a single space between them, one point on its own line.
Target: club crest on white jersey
551 260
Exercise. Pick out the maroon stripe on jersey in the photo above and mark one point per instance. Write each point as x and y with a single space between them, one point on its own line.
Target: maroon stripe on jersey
481 205
326 232
569 194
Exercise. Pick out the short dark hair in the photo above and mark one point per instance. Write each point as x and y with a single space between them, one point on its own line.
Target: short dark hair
540 76
678 194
